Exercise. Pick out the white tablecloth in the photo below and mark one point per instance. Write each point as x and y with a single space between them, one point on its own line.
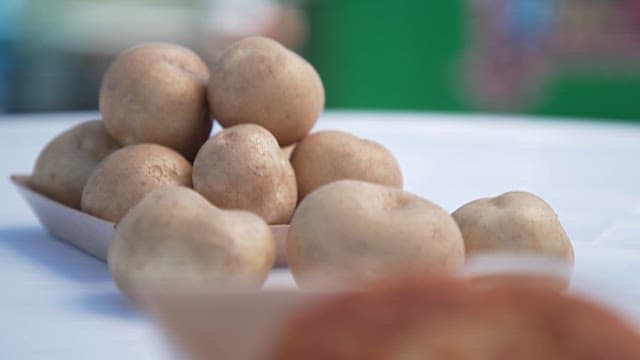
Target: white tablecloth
58 303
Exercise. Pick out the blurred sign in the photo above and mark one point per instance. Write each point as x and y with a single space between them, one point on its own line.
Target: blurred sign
517 45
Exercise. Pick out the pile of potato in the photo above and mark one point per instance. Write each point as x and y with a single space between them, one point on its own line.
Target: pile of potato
193 210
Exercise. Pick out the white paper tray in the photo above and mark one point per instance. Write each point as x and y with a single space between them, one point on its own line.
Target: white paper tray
89 233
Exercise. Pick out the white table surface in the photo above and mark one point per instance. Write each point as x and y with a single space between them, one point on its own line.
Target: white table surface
58 303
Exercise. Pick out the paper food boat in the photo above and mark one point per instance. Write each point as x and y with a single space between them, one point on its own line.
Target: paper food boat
89 233
233 325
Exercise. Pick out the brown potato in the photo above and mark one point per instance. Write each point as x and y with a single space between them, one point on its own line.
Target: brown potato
64 165
327 156
514 222
241 168
156 93
259 81
351 231
175 239
126 176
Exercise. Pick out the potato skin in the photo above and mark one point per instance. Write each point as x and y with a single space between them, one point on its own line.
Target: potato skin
126 176
175 238
517 222
352 231
241 167
64 165
257 80
156 93
330 155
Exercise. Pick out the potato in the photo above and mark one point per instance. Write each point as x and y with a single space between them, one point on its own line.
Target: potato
257 80
156 93
514 222
241 168
124 177
64 165
327 156
174 239
351 231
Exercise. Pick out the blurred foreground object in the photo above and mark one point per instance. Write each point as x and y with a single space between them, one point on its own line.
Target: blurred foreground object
208 323
439 318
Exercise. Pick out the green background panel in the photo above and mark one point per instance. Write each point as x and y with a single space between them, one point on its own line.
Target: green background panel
407 54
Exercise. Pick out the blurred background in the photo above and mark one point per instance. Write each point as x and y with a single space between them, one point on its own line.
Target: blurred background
555 57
